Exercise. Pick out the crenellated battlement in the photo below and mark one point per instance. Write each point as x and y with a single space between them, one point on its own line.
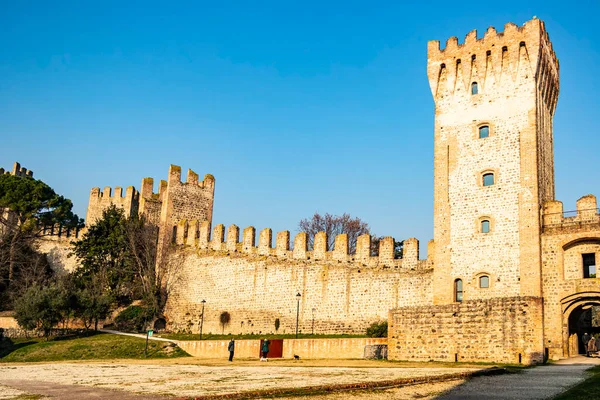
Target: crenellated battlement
184 201
59 233
100 200
555 218
498 61
191 179
198 235
17 171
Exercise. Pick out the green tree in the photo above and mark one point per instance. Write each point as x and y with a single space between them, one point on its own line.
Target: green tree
40 307
119 261
378 329
224 319
104 258
26 206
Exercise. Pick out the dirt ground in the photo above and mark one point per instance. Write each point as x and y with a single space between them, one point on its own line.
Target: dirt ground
188 378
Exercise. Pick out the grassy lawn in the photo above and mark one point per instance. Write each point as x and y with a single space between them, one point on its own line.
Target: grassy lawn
210 336
588 389
96 346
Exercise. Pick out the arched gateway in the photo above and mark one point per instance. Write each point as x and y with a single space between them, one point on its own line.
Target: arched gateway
578 318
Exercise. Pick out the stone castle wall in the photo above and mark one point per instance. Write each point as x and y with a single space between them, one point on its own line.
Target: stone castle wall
340 292
503 330
99 201
565 238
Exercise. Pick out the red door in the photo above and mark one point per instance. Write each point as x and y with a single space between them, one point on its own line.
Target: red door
275 348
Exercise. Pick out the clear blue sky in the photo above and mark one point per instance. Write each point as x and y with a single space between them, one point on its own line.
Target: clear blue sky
294 107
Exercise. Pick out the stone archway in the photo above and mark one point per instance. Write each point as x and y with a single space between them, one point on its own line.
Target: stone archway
577 319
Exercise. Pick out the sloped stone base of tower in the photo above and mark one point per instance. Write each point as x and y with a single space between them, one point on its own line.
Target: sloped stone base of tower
503 330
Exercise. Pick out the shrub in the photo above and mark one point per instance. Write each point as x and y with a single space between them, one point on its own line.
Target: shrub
378 329
132 319
224 319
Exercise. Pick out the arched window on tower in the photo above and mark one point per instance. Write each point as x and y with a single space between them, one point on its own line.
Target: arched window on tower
484 131
485 226
458 290
474 88
488 179
484 281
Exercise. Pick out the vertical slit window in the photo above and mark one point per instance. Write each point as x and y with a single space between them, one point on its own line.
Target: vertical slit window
458 290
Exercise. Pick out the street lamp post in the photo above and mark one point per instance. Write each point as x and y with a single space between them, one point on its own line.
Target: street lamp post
297 312
202 320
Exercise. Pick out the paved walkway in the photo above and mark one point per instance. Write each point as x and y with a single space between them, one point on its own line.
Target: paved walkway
543 382
138 335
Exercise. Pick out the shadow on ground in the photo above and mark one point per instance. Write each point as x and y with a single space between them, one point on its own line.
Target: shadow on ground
7 346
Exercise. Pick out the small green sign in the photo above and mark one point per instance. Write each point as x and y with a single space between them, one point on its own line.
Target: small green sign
150 332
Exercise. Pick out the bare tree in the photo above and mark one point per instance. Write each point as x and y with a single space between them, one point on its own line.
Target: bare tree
333 225
157 273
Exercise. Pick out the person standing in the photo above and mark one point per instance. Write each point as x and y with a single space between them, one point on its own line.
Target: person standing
265 350
591 347
231 348
585 339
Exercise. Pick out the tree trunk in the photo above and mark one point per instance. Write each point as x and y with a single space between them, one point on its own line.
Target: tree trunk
12 255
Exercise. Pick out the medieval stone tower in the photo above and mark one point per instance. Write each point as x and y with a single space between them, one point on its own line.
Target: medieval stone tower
494 102
176 205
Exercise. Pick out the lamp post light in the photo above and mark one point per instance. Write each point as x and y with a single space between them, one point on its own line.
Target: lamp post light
202 320
298 296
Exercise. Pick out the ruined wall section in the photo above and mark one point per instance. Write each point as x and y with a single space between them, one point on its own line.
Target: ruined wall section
101 200
502 330
566 236
511 70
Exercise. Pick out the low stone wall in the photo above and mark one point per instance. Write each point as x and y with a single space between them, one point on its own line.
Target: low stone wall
305 348
328 348
507 330
8 322
218 348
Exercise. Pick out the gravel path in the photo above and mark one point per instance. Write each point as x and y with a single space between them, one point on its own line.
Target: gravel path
198 380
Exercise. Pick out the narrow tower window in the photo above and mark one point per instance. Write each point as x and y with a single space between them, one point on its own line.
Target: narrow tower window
589 265
488 179
484 281
484 131
458 290
485 226
474 88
